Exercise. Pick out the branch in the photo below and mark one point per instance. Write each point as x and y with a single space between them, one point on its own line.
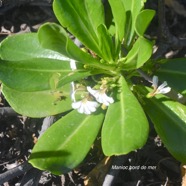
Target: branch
47 122
12 173
31 177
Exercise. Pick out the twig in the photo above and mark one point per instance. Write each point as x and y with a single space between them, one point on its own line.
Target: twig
17 171
47 122
144 75
31 178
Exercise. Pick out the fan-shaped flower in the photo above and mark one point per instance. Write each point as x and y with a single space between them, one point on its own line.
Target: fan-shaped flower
85 106
162 89
101 96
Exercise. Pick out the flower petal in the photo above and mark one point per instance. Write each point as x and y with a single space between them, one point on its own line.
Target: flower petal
110 99
164 84
107 100
165 90
101 96
81 109
76 105
85 106
155 81
91 91
86 109
92 105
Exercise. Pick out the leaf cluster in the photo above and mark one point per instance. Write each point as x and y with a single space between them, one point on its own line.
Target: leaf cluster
35 69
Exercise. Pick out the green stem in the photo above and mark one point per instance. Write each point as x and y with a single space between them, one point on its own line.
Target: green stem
104 68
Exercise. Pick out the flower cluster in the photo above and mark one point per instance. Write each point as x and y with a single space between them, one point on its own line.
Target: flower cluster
87 106
101 96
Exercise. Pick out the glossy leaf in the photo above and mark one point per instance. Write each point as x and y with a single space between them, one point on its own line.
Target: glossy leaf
39 103
66 143
125 127
25 46
38 74
143 20
119 17
174 72
138 55
119 21
54 37
105 43
109 20
169 118
81 17
132 9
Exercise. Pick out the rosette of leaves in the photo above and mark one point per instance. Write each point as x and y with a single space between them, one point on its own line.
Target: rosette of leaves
36 80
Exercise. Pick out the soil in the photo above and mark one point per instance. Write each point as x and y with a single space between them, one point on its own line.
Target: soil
150 166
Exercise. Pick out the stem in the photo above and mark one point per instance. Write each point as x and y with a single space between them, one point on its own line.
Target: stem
106 69
144 75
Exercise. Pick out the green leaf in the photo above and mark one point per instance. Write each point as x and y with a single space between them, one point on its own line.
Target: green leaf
143 20
105 43
174 72
169 118
125 127
138 55
40 103
38 74
81 17
119 17
54 37
132 9
66 143
120 20
25 46
109 21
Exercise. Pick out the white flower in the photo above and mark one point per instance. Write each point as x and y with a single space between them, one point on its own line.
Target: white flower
85 106
162 89
100 96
